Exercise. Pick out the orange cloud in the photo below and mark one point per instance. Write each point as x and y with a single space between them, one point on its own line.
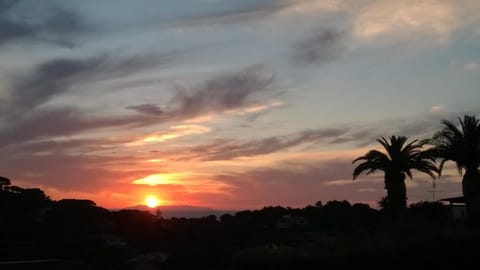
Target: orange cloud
173 133
159 179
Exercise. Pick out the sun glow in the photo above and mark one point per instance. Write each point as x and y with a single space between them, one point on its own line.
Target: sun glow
152 201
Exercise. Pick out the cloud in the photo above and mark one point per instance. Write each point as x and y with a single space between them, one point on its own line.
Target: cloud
57 28
63 22
438 109
224 93
296 183
7 4
50 146
24 120
11 31
405 19
260 9
246 11
89 173
49 79
353 135
148 109
322 48
472 66
45 124
159 179
226 149
57 76
172 133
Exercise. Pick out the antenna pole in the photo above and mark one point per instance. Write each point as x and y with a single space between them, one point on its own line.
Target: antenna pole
434 185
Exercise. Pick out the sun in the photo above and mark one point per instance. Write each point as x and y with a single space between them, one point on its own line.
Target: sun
152 201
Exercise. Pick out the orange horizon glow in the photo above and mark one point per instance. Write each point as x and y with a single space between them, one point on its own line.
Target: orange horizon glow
195 186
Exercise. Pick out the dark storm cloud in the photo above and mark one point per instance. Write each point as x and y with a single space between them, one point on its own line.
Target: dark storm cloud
58 27
324 47
226 92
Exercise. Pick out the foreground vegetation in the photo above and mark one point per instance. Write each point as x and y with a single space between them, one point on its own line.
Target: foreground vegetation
334 234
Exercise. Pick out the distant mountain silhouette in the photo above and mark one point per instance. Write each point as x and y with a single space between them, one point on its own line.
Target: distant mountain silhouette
179 211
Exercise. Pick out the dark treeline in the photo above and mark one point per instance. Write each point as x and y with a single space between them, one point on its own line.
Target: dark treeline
336 233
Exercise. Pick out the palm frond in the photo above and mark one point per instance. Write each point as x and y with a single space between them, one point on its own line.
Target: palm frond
372 161
460 144
399 158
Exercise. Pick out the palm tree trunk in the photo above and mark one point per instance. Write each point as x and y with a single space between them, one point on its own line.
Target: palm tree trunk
471 193
396 192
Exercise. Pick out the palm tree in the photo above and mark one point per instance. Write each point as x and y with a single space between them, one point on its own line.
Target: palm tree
399 160
462 146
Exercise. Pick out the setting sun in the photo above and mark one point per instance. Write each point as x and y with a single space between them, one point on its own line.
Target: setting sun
152 201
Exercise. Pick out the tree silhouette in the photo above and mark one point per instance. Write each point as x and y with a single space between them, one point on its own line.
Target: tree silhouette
4 182
462 146
399 160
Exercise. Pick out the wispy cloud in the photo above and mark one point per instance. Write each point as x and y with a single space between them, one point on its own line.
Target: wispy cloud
247 11
472 66
233 91
148 109
406 19
46 124
172 133
226 149
25 117
57 76
324 47
67 145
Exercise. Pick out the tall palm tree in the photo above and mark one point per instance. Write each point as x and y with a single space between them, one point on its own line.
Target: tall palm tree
461 144
399 160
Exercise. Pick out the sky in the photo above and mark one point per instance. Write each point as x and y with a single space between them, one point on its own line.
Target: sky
227 104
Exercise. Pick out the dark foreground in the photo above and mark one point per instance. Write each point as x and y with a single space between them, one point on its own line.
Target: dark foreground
37 233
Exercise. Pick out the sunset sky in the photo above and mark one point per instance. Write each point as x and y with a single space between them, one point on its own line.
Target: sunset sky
227 104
